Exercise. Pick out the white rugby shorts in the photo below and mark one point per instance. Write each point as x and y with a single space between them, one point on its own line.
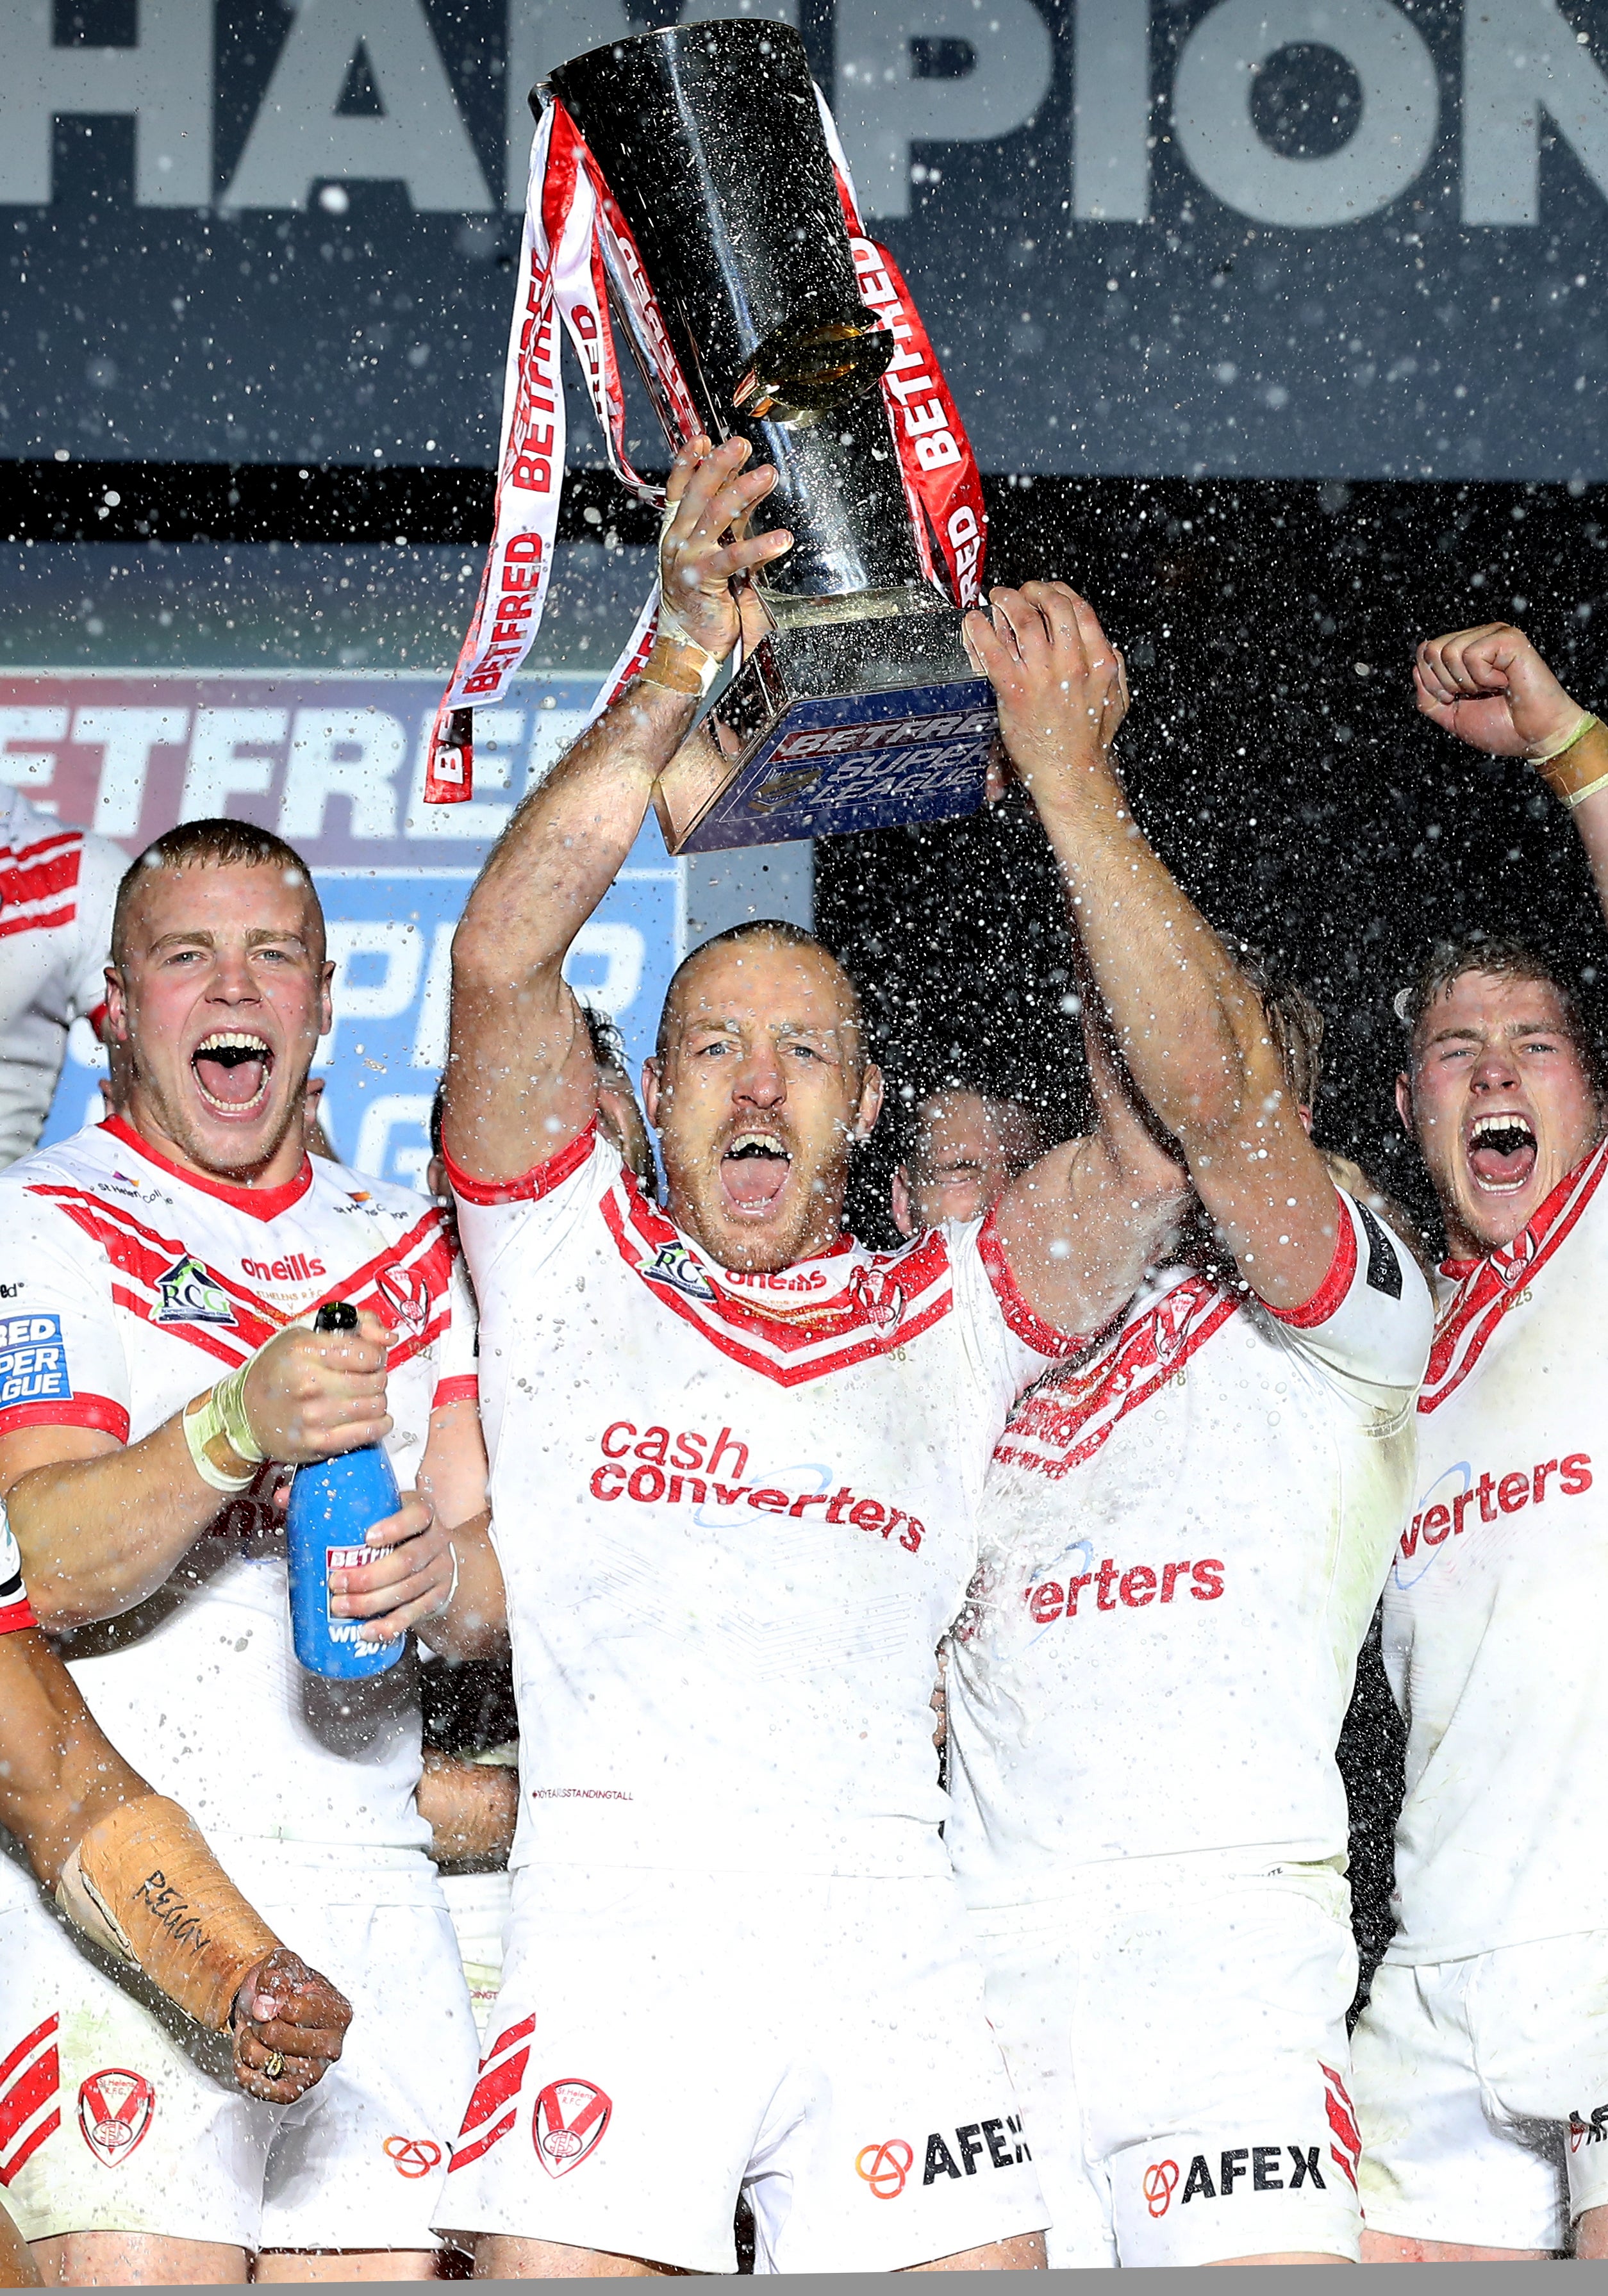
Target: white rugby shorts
1482 2095
1177 2043
478 1906
665 2039
118 2114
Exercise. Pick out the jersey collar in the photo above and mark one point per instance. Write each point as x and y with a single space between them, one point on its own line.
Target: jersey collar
258 1203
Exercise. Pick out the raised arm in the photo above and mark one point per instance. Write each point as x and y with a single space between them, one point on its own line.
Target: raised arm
1491 688
520 1078
1189 1027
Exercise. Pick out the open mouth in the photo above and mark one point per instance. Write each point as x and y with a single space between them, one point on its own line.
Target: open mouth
232 1068
1502 1152
753 1171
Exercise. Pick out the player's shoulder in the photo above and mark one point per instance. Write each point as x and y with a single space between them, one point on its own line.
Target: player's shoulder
358 1196
85 1159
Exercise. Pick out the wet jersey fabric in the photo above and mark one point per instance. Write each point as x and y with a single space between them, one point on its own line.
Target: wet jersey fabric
16 1611
1183 1540
1496 1612
736 1515
57 887
130 1287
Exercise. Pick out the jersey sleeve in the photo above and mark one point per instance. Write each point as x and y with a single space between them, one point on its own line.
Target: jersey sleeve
458 1350
540 1209
1014 1345
61 1361
100 867
1369 1323
16 1611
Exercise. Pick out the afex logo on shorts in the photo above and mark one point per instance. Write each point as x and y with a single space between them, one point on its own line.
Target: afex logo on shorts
1262 2163
412 2156
886 2166
569 2122
114 2111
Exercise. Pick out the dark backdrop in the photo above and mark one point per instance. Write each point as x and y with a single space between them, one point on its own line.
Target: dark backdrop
1275 758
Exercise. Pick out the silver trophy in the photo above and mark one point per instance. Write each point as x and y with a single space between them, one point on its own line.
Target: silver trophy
860 709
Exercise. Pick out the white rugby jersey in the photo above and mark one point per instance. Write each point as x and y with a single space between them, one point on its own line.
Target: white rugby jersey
130 1287
57 887
1495 1612
736 1515
1184 1539
16 1611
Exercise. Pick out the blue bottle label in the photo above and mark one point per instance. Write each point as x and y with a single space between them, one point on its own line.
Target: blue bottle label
350 1631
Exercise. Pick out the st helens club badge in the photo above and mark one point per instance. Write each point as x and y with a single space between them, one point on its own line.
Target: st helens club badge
114 2111
570 2120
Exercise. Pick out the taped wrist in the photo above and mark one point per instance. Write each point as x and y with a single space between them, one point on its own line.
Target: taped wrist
143 1885
681 665
225 1452
1574 768
678 660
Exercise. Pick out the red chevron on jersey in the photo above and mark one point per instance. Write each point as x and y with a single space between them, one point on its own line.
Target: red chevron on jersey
861 1305
1074 1413
502 2071
39 883
1494 1284
405 1284
30 2082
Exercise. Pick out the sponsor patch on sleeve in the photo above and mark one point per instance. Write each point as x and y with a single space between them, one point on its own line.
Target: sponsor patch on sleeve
33 1360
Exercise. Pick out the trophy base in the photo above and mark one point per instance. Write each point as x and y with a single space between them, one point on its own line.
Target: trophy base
852 714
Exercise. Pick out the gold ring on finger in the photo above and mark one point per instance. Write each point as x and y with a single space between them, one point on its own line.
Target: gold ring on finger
272 2064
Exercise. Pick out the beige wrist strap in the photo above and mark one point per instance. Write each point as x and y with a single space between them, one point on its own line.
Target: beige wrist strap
225 1452
144 1884
1574 768
681 665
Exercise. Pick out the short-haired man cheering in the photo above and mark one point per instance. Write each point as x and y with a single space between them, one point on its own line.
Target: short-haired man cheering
1482 2059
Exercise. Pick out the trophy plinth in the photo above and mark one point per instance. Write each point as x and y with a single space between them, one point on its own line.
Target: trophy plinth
838 721
860 709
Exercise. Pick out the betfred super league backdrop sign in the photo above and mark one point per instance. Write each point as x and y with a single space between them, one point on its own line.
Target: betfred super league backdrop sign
1285 237
335 763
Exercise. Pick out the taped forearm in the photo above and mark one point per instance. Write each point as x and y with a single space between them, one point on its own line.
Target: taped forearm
144 1884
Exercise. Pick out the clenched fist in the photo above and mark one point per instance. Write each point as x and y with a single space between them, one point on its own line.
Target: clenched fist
1491 688
313 1395
289 2026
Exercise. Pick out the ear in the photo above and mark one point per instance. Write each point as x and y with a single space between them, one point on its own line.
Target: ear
114 1028
326 1011
1404 1103
650 1089
904 1212
871 1102
1305 1114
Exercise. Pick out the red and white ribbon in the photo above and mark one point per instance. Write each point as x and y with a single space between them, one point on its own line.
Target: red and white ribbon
576 243
942 485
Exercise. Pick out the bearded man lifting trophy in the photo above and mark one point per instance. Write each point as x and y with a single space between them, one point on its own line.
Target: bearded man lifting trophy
688 187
